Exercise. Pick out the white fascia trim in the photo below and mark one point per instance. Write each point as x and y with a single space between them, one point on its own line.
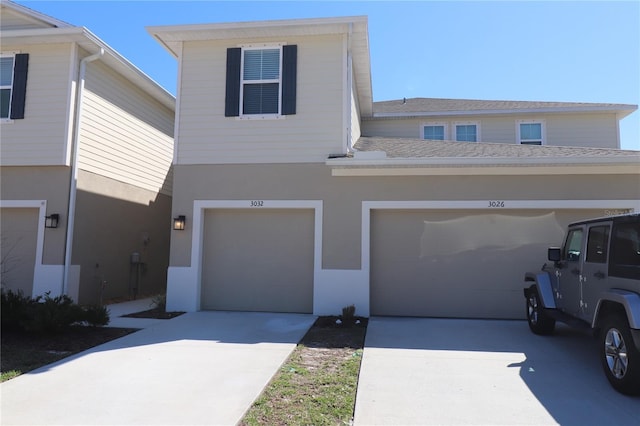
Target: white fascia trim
489 171
480 162
549 110
367 206
197 235
200 31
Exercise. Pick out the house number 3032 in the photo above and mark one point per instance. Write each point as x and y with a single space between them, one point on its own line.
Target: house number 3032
496 204
257 203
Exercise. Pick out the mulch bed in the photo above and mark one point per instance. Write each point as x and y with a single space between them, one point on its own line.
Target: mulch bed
154 314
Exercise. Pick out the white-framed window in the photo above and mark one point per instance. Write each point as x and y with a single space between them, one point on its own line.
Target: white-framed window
434 131
260 80
466 131
6 85
530 132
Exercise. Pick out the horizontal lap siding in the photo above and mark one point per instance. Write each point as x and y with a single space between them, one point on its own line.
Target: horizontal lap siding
15 21
41 137
586 130
125 134
207 136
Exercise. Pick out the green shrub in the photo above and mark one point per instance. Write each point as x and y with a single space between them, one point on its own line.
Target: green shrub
16 309
348 312
46 314
53 314
96 315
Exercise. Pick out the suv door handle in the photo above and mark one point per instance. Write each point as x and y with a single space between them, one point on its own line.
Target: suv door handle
575 271
600 275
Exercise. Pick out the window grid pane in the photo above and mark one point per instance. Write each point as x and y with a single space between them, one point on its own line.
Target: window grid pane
261 98
6 72
262 64
5 100
434 132
531 131
466 133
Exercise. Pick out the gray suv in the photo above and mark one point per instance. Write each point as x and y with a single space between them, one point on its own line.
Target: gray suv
594 283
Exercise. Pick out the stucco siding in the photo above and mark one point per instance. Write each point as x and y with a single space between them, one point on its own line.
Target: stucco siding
113 220
343 196
42 136
208 137
125 135
41 183
586 130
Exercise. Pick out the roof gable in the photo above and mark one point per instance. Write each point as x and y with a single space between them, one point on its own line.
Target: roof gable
355 28
18 17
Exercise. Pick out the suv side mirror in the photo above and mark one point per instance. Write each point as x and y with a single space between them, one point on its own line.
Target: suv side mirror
554 254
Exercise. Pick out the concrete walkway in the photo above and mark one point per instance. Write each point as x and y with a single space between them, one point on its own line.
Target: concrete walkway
422 371
199 368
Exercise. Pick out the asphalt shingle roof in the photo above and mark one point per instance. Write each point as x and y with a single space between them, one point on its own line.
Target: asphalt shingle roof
436 105
419 148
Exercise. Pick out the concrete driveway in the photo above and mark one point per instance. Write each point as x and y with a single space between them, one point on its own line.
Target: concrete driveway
476 372
199 368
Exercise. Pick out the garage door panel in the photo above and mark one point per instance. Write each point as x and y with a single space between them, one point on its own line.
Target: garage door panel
18 246
258 260
458 263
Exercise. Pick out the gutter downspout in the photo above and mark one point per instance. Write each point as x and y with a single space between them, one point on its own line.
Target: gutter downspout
349 88
73 181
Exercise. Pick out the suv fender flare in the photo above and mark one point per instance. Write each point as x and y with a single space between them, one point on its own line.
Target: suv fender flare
543 281
629 300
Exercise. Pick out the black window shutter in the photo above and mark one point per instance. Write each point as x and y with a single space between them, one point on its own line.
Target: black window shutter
289 71
232 97
19 92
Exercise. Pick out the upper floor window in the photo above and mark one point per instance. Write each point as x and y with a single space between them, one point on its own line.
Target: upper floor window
261 81
434 131
6 83
530 132
13 85
467 132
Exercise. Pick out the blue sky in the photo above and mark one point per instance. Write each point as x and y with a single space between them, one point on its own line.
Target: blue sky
505 50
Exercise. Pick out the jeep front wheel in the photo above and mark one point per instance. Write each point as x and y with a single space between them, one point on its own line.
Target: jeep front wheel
539 321
620 358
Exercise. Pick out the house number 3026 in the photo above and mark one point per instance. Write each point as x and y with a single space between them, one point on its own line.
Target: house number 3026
495 204
257 203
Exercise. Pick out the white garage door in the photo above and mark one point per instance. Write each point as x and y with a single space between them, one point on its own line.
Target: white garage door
459 263
258 260
18 246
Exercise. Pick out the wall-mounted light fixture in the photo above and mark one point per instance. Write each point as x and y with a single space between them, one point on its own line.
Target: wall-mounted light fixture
179 222
52 220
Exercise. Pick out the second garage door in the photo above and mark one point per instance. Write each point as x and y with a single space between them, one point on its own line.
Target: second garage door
258 260
467 264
